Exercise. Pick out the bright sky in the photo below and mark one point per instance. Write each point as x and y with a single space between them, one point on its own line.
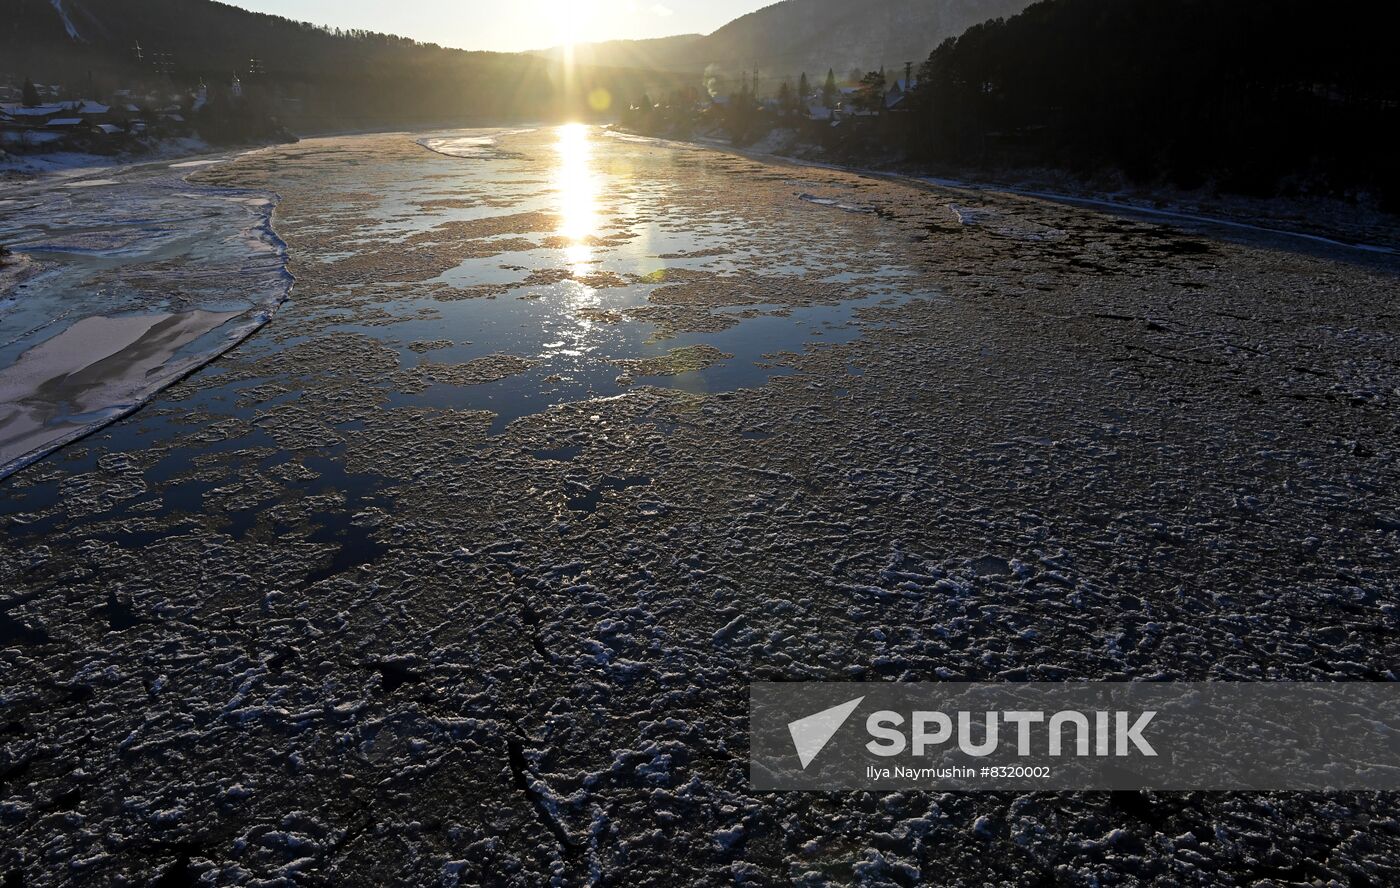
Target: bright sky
514 25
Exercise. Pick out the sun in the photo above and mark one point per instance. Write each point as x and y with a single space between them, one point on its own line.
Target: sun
573 20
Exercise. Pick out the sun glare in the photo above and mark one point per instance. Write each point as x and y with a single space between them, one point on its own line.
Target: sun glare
576 187
573 19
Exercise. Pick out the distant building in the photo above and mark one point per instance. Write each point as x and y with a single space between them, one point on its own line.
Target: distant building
90 111
74 122
38 115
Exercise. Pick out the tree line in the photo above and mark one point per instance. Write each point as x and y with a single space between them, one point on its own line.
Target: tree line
1253 96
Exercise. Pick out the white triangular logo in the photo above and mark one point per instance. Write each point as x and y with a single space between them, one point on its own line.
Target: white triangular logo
811 734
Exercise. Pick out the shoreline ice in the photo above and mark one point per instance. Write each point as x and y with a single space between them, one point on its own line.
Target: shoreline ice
135 282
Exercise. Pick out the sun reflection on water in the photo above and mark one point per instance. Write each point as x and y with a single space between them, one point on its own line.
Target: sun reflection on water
577 186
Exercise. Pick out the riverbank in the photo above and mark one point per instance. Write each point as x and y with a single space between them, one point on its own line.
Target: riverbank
1322 220
29 166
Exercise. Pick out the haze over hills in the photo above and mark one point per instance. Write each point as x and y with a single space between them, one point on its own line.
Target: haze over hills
793 36
321 77
195 35
363 74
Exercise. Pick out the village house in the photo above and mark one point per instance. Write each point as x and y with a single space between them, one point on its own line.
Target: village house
898 95
79 124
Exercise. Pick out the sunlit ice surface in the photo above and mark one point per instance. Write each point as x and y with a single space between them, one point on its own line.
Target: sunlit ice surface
625 219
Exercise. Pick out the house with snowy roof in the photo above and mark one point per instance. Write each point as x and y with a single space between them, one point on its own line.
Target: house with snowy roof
898 95
88 108
37 115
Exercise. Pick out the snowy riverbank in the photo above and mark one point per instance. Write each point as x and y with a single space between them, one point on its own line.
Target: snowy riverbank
32 166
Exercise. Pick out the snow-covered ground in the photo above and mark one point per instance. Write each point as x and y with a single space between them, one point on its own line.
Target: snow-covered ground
74 163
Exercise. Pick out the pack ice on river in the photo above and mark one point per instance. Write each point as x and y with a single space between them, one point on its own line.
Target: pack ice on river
456 567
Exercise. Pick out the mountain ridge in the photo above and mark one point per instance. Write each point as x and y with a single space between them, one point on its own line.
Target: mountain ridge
88 45
796 36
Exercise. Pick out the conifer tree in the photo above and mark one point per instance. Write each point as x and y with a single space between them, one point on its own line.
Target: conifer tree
829 91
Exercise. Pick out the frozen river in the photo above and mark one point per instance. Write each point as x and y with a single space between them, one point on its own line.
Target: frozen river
138 276
457 569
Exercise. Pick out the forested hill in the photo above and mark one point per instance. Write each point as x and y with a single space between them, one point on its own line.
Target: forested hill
347 77
1256 96
793 36
814 35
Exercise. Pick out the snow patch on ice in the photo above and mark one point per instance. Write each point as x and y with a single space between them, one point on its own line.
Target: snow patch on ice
836 204
1004 225
632 137
467 146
